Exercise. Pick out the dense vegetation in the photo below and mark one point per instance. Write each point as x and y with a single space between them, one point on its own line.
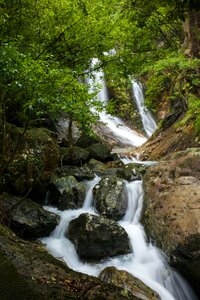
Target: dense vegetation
47 46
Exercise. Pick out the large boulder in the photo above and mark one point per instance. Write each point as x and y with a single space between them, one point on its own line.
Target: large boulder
73 155
66 193
110 197
96 237
99 151
101 168
172 211
80 173
132 171
34 162
85 141
25 217
29 272
126 280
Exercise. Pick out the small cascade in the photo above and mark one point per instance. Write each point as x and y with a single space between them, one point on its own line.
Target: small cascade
148 122
114 125
146 262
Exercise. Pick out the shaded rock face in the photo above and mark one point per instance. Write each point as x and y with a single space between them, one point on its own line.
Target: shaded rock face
29 272
79 156
172 211
66 193
99 151
132 172
25 217
34 163
128 281
80 173
86 141
96 237
110 197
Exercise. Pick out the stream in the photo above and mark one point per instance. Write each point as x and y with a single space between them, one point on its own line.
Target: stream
146 262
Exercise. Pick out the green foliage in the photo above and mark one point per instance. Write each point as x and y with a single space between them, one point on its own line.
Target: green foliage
178 78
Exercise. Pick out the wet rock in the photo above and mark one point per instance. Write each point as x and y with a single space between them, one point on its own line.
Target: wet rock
172 211
132 172
25 217
110 197
101 168
86 141
34 163
80 173
128 281
96 237
66 193
78 156
99 151
29 272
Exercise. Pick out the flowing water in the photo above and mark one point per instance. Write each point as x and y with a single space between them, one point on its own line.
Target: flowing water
114 124
146 262
148 122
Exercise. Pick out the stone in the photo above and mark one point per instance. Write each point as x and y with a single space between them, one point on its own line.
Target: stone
66 193
96 237
99 151
172 211
25 217
29 272
34 163
132 171
80 173
126 280
110 197
78 157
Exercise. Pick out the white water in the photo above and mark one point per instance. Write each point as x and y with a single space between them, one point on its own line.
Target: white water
114 124
145 262
148 122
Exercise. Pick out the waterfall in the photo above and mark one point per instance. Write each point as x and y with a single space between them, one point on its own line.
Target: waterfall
145 262
148 122
114 124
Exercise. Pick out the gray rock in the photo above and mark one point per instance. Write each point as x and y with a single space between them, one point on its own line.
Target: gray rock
66 193
132 171
110 197
80 173
25 217
99 151
79 156
96 237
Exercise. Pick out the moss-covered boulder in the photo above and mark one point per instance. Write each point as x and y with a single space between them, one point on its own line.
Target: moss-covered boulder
172 210
100 168
96 237
80 173
99 151
33 156
126 280
132 171
66 193
73 155
110 197
25 217
29 272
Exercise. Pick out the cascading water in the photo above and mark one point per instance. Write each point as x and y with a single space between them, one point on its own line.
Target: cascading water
145 262
114 124
148 122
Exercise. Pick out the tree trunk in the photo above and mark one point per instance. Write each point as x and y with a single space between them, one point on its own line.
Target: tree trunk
191 28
